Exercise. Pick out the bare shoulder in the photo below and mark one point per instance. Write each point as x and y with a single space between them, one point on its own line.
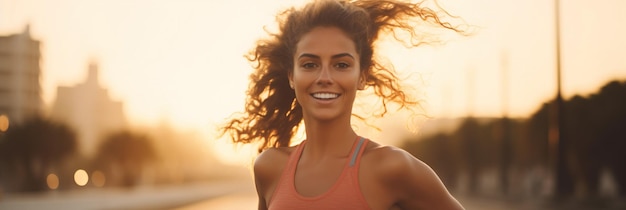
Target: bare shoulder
412 181
392 159
268 159
268 167
270 164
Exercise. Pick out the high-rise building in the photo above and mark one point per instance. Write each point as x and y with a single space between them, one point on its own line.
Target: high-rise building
20 90
88 109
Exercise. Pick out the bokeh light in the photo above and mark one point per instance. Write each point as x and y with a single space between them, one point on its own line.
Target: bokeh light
4 123
81 177
98 179
53 181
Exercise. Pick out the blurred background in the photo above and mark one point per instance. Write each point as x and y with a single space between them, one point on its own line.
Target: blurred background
116 104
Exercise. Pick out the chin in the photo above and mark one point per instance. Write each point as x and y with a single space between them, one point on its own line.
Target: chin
325 115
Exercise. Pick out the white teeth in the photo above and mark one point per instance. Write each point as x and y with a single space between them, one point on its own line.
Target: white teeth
325 95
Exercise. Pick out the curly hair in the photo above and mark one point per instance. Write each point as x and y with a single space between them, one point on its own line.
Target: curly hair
272 115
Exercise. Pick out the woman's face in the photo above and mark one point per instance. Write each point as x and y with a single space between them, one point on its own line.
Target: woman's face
326 74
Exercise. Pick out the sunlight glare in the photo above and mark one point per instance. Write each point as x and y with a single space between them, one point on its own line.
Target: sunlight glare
81 177
4 123
53 181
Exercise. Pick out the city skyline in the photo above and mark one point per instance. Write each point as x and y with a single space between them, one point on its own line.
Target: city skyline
87 107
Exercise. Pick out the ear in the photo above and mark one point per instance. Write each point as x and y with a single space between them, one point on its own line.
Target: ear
362 82
290 76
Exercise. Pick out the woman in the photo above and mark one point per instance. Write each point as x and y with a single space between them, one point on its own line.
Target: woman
310 72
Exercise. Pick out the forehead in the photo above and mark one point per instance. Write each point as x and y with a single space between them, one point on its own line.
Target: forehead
325 41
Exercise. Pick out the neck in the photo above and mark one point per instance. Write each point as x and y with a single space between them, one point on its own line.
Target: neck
329 138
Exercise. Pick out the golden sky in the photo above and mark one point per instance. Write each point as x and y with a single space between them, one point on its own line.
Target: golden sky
182 61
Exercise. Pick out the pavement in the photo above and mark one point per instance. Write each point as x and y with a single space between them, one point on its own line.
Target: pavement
154 197
225 195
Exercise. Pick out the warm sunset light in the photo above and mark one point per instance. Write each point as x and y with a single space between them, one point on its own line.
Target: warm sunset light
4 123
525 112
81 177
53 181
182 63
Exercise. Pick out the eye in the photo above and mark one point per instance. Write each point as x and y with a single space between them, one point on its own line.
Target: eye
342 65
309 65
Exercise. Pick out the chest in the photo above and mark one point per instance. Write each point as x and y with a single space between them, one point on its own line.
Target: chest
315 178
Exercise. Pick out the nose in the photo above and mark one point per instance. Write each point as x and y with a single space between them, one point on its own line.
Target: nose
325 76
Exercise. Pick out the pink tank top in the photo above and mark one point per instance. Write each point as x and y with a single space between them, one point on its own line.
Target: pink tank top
344 194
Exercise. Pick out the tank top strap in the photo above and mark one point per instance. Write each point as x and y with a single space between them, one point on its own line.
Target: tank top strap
355 157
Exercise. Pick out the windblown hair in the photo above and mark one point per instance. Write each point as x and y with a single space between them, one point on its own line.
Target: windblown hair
272 115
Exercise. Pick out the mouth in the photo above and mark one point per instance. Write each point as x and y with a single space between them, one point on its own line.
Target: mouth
325 96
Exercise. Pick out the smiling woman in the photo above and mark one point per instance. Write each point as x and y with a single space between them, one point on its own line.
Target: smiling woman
326 74
310 72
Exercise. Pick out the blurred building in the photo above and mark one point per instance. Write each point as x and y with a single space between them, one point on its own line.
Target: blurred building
88 109
20 90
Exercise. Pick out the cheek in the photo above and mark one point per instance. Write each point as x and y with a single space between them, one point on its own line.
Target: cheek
302 78
300 83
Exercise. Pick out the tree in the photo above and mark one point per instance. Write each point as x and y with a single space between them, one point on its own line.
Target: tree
596 140
609 125
31 150
123 155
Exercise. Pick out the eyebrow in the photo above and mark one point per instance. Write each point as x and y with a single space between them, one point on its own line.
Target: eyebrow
333 57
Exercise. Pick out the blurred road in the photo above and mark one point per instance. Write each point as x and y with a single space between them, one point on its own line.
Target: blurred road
226 195
155 197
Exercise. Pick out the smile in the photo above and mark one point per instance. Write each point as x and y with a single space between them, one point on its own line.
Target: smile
325 96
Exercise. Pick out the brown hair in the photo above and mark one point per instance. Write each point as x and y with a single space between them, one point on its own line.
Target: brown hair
272 115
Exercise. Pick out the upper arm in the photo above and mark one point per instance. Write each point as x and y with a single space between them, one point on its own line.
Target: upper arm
416 185
267 171
262 176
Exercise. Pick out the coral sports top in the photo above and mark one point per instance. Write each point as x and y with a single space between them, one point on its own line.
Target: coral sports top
344 194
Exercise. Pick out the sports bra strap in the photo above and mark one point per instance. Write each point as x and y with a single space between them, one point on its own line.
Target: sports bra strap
356 152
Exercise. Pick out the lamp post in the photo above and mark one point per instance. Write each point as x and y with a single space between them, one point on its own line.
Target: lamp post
557 139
